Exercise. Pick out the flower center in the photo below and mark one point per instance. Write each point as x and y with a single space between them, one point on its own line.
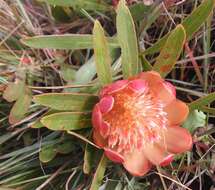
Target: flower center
135 119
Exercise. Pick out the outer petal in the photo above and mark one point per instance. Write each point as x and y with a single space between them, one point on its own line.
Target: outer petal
164 92
116 86
104 129
136 163
138 85
106 104
155 154
167 160
178 139
113 155
96 117
98 139
170 87
177 111
151 77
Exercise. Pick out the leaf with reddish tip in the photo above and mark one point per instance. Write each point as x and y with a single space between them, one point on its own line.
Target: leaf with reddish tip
20 108
65 121
13 91
170 51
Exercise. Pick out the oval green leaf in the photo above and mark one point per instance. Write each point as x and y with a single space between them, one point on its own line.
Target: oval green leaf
66 101
127 39
65 121
20 108
13 91
170 51
47 154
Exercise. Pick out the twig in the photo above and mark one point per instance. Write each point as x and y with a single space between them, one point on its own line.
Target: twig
195 65
52 176
161 177
82 138
182 185
69 179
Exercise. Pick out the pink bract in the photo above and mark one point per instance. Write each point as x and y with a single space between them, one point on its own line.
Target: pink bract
137 122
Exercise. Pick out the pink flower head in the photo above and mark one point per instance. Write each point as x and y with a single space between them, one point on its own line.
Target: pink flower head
137 122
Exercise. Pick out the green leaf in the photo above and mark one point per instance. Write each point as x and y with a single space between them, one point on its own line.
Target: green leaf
67 72
195 20
102 55
127 40
203 101
47 154
170 51
191 24
65 147
140 11
207 110
37 125
14 90
66 41
65 121
20 108
66 101
195 119
92 5
89 157
145 64
100 171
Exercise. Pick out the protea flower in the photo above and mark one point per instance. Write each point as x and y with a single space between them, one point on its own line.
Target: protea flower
137 122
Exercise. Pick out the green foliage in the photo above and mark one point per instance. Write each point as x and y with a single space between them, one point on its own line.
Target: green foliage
65 121
20 108
170 51
195 119
21 94
66 101
97 179
90 155
78 4
191 24
68 41
127 39
49 152
14 90
102 55
205 100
